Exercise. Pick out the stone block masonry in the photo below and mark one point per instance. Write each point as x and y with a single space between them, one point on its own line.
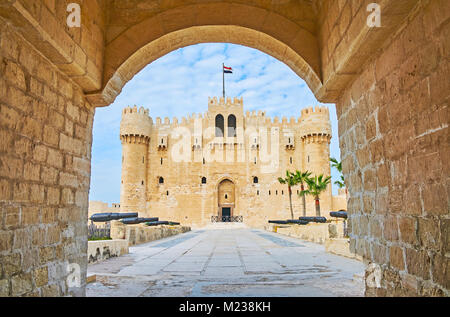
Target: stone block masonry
45 151
102 250
396 112
138 234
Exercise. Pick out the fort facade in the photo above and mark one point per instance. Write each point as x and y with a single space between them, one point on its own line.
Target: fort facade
224 163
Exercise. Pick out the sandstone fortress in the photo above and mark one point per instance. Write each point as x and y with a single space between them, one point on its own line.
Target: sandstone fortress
223 163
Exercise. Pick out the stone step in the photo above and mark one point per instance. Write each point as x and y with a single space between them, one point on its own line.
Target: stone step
225 226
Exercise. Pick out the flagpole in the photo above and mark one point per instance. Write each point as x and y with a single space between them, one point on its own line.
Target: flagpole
223 75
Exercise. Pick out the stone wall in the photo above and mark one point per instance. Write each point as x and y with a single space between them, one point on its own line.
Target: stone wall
45 150
340 246
394 138
105 249
313 232
138 234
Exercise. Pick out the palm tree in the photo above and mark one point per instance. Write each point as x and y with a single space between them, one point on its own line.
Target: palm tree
338 166
291 181
302 177
316 186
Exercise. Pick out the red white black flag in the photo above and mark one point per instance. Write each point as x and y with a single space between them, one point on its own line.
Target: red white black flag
227 70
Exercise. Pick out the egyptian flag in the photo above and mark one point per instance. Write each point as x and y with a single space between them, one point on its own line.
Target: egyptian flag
227 70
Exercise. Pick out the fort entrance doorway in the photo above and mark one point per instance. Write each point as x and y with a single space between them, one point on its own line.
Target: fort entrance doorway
226 200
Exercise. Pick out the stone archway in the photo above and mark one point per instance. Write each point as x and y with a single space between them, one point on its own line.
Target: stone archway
390 85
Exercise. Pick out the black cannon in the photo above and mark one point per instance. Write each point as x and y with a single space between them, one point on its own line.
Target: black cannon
157 223
298 222
134 221
174 223
314 219
339 214
279 222
105 217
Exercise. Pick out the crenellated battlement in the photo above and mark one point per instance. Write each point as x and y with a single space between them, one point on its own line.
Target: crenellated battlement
229 102
130 110
315 124
317 111
135 122
175 122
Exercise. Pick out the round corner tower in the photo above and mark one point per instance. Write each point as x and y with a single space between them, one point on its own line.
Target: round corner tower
135 130
315 132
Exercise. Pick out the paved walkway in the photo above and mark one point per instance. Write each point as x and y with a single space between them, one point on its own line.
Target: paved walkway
233 262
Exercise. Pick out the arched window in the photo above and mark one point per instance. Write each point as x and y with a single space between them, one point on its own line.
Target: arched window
203 180
161 180
220 123
231 126
255 180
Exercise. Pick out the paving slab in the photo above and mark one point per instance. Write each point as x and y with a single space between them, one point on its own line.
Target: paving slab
237 262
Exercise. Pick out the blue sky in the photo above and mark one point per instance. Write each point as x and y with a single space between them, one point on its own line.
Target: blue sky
179 84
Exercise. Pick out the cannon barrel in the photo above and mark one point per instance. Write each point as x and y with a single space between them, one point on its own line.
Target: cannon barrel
339 214
279 222
101 217
117 216
105 217
314 219
157 223
298 222
134 221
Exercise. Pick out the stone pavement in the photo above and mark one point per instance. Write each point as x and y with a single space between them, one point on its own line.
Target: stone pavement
227 262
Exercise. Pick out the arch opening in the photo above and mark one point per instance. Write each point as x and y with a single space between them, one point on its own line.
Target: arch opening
125 58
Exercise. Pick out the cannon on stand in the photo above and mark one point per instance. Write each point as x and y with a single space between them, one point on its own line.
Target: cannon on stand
279 222
342 215
158 223
314 219
289 221
105 217
135 220
339 214
297 222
